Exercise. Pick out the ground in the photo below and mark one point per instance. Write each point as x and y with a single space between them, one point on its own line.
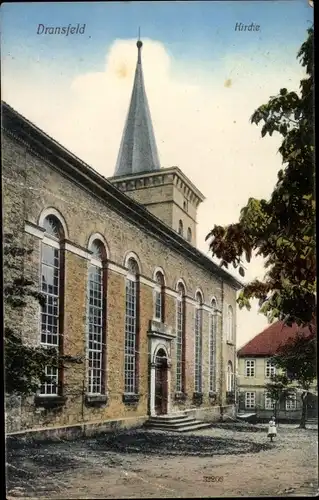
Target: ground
227 460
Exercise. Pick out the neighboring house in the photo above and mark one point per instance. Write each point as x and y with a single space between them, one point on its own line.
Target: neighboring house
254 372
125 285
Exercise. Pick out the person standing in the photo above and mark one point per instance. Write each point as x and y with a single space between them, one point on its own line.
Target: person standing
272 429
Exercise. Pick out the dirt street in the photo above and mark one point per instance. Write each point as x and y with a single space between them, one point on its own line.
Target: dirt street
226 460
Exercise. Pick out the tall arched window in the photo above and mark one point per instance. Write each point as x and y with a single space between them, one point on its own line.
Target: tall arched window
212 347
189 234
52 288
180 339
198 343
96 319
180 228
230 324
159 297
230 377
131 328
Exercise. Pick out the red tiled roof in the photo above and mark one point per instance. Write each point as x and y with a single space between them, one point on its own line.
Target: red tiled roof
267 342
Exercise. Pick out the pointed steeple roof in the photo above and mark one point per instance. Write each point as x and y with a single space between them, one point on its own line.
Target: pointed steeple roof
138 151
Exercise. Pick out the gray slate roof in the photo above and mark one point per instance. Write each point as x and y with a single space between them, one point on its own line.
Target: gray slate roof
138 151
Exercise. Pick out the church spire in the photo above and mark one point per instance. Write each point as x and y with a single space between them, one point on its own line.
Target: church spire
138 151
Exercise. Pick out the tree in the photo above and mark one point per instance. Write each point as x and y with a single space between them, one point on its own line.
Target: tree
281 229
24 364
278 390
298 358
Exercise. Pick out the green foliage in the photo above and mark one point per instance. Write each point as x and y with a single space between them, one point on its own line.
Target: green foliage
298 357
24 364
281 229
278 389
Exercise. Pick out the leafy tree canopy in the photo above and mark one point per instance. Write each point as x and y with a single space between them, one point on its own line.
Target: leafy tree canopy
280 229
298 358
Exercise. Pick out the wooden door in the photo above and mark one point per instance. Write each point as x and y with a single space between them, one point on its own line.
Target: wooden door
161 385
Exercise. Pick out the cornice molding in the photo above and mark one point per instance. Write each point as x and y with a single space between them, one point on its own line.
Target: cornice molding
78 172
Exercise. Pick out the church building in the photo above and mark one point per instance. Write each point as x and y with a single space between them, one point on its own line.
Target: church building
151 319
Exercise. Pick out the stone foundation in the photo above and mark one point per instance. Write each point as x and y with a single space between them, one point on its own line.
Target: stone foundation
71 432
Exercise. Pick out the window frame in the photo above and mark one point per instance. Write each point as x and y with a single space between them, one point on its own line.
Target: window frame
159 297
53 242
180 339
131 320
251 406
291 403
213 331
230 386
198 334
230 325
267 400
250 368
270 368
97 265
180 228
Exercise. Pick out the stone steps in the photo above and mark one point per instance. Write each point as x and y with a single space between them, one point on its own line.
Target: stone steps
175 423
312 421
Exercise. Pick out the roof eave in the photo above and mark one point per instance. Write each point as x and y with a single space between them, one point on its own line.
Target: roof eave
79 171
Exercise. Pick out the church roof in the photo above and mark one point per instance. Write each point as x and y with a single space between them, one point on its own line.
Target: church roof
80 172
138 150
271 338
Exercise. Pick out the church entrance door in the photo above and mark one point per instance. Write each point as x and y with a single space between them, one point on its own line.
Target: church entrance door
161 383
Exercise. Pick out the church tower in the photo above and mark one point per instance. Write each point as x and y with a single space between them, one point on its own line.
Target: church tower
166 192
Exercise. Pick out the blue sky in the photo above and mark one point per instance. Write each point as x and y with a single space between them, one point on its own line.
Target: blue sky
192 31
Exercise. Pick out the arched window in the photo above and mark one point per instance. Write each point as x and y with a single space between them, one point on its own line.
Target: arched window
159 297
198 343
230 378
131 328
189 234
180 339
96 319
52 288
212 347
180 228
230 324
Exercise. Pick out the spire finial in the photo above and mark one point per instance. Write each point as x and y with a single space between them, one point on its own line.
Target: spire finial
139 45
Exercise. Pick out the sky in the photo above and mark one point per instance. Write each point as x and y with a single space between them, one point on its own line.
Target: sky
203 79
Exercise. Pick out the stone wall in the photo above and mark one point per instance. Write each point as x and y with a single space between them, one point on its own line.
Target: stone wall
31 186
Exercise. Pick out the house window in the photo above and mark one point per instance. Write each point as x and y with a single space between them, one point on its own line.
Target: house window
198 343
250 400
291 402
180 228
230 378
131 311
230 324
96 319
185 205
52 290
189 234
269 403
180 329
159 297
270 369
212 347
249 368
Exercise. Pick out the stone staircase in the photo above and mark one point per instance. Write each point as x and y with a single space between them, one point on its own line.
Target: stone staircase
179 422
312 421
